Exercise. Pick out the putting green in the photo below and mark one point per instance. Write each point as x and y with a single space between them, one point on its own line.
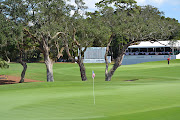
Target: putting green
153 95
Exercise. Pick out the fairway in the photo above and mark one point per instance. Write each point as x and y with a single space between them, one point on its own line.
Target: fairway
146 91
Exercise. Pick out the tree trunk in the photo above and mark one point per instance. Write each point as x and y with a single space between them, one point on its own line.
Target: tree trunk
8 60
108 77
107 74
49 67
82 70
118 62
24 70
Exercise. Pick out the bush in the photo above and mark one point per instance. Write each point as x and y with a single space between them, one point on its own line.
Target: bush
3 64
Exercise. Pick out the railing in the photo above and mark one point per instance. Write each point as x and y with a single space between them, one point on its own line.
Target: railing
148 53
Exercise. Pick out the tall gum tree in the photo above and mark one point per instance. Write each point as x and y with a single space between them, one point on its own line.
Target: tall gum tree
79 36
43 22
48 20
76 48
134 23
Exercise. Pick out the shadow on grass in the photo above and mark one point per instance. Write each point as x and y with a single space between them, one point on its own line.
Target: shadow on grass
131 80
4 82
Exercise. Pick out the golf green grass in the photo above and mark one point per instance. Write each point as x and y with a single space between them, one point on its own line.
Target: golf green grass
153 95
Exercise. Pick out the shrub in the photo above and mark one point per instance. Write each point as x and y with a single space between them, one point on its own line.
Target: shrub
3 64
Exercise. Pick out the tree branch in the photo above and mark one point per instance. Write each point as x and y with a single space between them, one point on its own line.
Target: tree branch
58 34
82 52
67 50
74 39
59 54
31 35
107 48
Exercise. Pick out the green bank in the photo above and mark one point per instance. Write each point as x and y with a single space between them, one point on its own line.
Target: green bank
147 91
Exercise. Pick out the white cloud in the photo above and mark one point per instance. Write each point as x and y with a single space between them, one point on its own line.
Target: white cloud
72 12
157 1
165 5
72 2
141 2
30 23
91 4
151 2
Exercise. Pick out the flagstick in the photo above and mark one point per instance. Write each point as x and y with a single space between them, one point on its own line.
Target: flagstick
93 91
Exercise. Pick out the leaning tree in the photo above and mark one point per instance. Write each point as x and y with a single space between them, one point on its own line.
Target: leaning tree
134 24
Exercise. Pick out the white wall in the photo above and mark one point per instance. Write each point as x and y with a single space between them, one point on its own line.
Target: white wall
134 59
178 56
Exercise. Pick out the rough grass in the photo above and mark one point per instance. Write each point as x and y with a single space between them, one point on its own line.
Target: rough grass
147 91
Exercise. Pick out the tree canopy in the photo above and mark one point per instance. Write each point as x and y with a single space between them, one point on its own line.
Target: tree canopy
128 23
49 27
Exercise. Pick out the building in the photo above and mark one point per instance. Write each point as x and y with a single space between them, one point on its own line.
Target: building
152 51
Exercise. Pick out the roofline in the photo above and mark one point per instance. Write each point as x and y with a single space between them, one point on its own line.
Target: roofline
148 46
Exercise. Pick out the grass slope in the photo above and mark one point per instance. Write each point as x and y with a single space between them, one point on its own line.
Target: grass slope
153 96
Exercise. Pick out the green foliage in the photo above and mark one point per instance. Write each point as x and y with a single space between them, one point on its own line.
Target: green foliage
7 42
49 18
129 22
3 64
16 10
125 19
176 35
21 13
117 3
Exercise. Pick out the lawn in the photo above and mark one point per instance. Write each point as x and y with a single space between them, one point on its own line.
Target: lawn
153 95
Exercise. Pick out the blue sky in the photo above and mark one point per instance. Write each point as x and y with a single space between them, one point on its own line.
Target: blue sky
171 8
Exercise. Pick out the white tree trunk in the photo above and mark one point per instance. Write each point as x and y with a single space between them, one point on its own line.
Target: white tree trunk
49 67
108 75
8 60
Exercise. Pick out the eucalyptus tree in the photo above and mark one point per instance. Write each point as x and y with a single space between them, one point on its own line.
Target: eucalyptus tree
134 24
78 36
48 19
38 21
17 17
